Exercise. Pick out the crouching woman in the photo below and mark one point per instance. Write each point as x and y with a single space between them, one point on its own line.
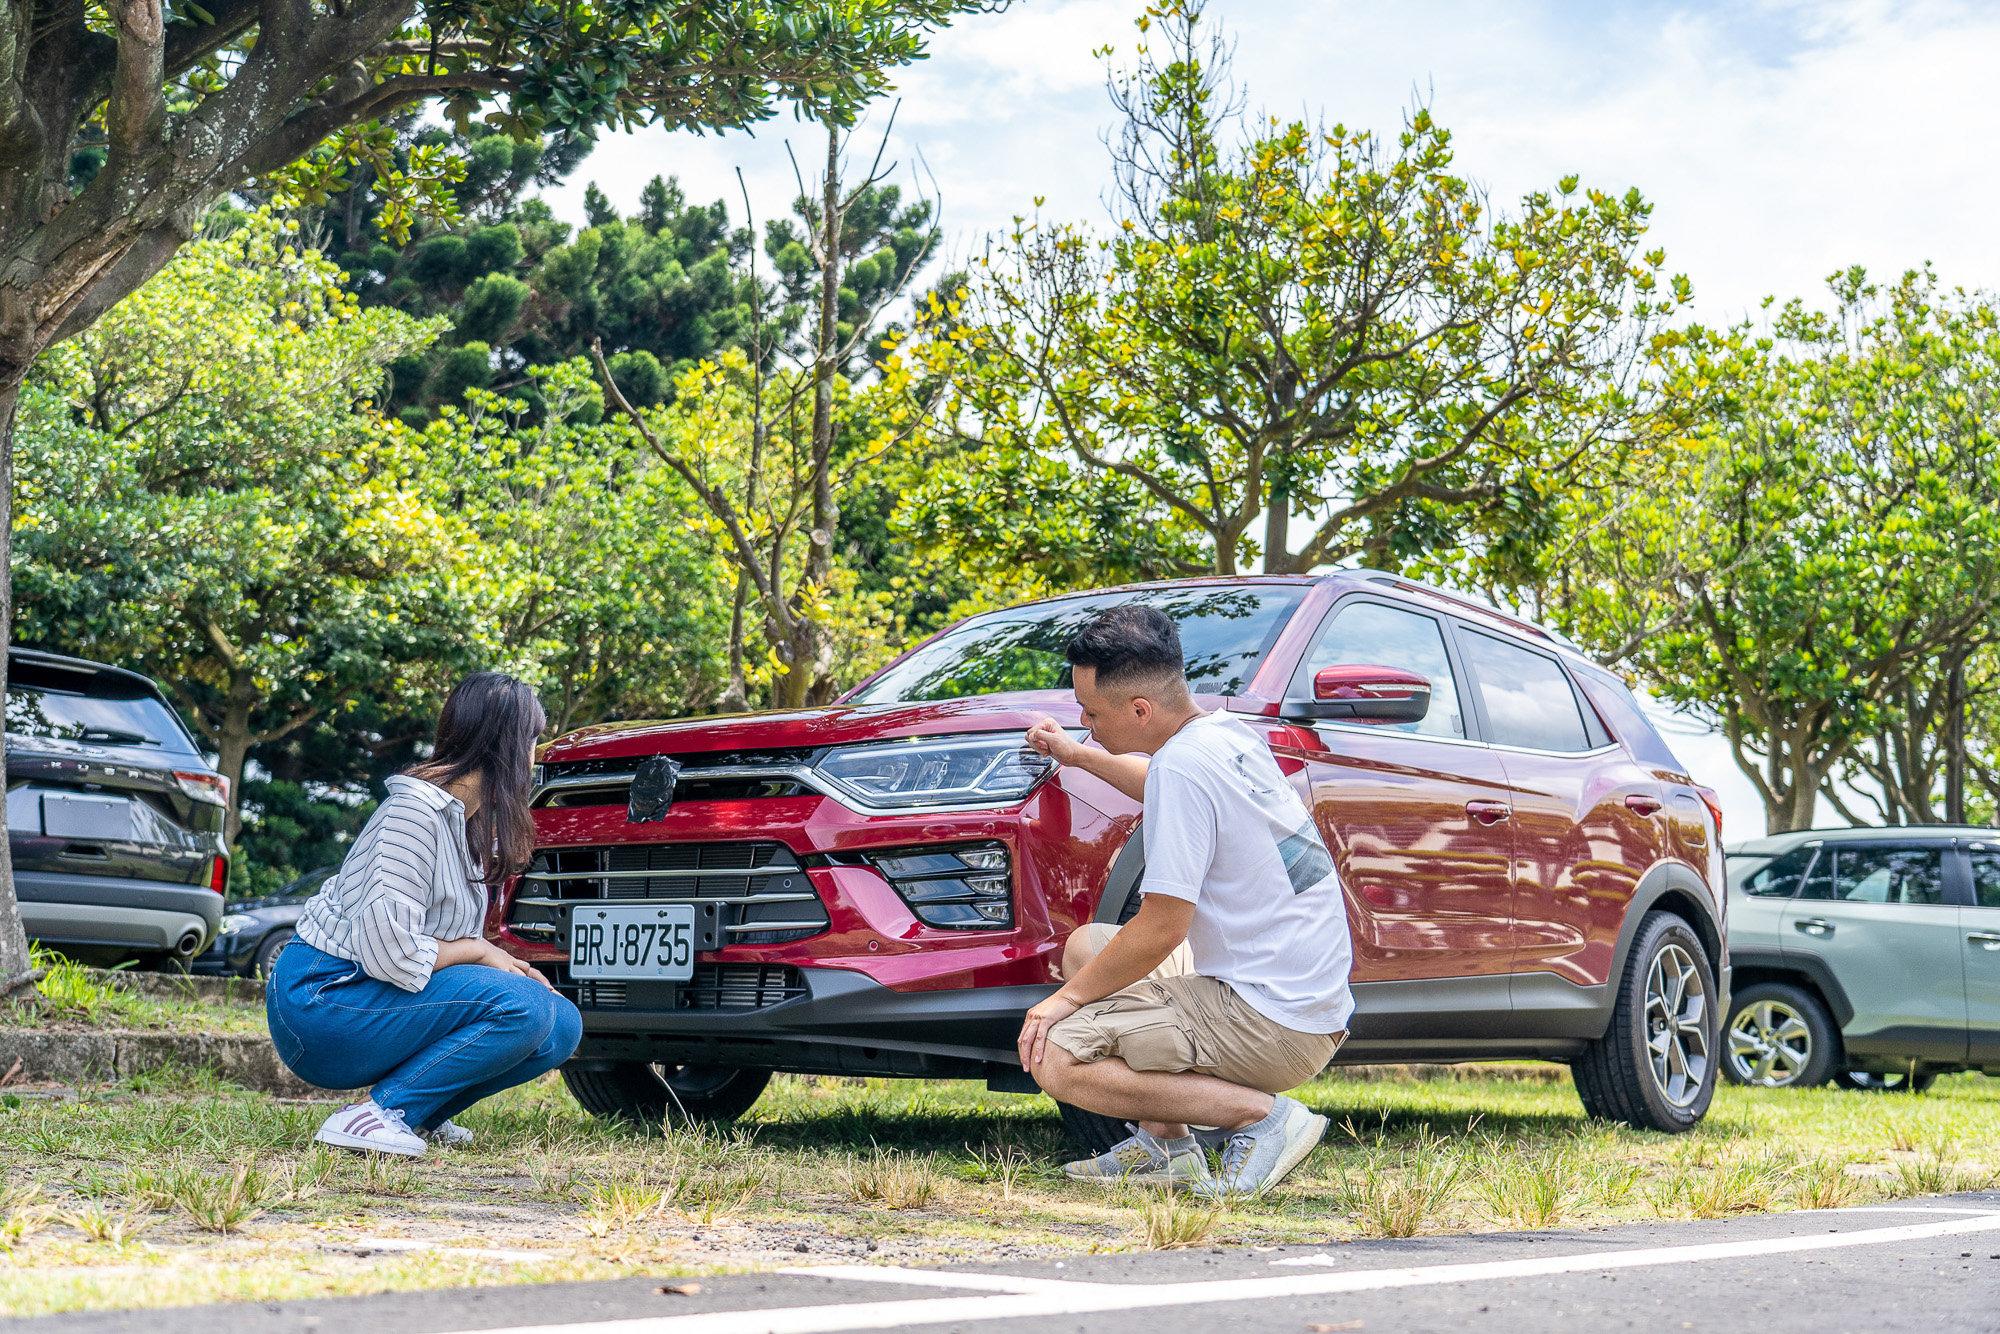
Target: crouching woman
389 982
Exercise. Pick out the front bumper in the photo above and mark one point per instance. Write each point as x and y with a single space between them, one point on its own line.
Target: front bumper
844 1024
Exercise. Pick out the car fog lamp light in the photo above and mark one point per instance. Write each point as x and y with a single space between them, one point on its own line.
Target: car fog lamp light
955 888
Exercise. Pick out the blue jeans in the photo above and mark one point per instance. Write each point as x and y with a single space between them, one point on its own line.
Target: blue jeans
430 1054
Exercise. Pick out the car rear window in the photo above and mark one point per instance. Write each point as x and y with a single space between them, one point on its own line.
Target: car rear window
1225 633
1528 700
1879 875
105 716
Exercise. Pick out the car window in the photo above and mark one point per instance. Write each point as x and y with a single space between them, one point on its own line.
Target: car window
1879 875
1779 878
1373 635
95 720
1225 633
1986 878
1529 702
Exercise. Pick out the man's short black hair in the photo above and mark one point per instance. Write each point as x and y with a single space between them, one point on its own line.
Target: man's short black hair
1129 646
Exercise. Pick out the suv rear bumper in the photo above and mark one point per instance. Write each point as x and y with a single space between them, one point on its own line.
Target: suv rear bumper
111 910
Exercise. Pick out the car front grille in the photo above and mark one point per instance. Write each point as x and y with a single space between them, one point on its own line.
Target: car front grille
715 987
747 893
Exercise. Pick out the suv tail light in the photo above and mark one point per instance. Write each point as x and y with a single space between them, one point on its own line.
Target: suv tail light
1714 804
203 786
218 875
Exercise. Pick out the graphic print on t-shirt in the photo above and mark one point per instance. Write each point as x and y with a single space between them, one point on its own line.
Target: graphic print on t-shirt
1307 862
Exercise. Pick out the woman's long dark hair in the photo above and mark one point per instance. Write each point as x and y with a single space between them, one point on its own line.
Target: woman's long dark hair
488 726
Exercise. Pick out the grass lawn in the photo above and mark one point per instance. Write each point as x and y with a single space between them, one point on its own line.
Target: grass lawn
176 1190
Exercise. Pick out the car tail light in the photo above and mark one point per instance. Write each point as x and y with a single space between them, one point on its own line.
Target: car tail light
1714 804
218 875
203 786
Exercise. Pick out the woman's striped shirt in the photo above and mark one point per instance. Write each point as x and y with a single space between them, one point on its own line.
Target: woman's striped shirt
408 883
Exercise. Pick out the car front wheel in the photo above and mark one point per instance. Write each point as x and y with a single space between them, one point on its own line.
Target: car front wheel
1655 1066
655 1094
267 953
1778 1037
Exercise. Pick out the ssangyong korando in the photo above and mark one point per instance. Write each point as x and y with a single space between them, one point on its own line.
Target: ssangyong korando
882 886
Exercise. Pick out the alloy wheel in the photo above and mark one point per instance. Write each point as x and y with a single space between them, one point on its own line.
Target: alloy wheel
1676 1025
1769 1044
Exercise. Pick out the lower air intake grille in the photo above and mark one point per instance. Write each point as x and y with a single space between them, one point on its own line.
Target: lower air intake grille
722 987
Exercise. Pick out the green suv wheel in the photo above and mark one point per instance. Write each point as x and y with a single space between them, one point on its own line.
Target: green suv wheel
1778 1037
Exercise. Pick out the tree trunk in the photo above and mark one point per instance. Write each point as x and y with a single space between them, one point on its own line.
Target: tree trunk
736 695
1278 530
233 740
806 665
15 969
1954 764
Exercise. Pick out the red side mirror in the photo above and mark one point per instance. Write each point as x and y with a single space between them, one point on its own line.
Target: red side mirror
1366 693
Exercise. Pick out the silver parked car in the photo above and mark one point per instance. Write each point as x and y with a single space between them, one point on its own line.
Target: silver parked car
1869 957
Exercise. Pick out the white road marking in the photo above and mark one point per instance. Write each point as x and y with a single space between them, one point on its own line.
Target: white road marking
1086 1298
936 1278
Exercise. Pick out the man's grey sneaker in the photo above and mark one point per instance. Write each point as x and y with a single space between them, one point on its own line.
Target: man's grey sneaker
363 1125
446 1135
1259 1156
1144 1160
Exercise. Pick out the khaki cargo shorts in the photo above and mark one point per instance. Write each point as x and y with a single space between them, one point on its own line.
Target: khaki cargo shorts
1177 1022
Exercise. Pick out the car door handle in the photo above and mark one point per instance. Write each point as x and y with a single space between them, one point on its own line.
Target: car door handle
1642 803
1986 940
1487 812
1815 926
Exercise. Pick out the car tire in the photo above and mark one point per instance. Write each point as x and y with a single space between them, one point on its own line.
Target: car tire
660 1094
1861 1081
267 954
1778 1036
1093 1133
1667 995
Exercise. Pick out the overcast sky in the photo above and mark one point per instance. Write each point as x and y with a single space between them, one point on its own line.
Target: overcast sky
1778 139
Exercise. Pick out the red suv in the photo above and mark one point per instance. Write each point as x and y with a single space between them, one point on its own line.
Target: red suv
882 886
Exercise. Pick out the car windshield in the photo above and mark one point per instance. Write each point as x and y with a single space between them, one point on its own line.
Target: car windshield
1225 631
141 721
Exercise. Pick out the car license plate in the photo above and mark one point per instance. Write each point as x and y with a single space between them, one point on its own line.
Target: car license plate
632 943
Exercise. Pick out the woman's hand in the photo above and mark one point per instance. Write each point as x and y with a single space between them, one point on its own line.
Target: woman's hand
475 950
1034 1039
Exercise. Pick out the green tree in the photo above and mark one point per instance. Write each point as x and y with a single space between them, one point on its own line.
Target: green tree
1311 323
1814 559
201 499
122 124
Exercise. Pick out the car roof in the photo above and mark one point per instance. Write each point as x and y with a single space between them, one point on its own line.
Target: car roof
1436 599
1773 844
81 666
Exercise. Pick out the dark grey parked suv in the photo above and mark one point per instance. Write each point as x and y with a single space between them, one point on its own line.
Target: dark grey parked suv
114 818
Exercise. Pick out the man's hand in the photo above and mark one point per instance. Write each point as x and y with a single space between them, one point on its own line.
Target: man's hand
1034 1039
1048 737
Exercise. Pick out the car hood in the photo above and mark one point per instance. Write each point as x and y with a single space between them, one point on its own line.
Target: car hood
832 725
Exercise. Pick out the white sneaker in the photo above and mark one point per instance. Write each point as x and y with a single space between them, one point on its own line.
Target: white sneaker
1259 1156
446 1135
363 1125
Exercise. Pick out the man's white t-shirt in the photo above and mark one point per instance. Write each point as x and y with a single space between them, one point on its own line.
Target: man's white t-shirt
1227 831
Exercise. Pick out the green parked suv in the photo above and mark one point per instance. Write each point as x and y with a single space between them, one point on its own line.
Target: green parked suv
1869 957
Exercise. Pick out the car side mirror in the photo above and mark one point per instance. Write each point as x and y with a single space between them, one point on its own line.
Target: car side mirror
1362 693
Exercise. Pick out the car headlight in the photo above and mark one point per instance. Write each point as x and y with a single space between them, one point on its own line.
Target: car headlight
234 922
993 769
964 887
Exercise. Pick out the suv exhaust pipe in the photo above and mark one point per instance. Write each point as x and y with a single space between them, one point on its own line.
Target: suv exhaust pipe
189 942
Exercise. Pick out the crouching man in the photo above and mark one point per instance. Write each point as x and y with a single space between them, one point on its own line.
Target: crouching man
1230 985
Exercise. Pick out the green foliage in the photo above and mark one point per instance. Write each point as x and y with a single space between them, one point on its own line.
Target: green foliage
1310 323
1826 540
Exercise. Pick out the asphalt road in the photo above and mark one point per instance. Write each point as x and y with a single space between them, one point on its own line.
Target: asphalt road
1931 1265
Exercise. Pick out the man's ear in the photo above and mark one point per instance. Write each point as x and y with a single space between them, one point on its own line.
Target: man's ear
1142 709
